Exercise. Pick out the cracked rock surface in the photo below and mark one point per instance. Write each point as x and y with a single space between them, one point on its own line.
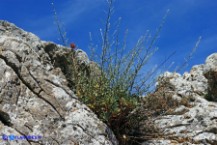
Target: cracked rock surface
196 124
35 98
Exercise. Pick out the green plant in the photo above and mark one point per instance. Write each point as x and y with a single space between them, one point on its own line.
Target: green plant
116 91
189 56
114 94
59 26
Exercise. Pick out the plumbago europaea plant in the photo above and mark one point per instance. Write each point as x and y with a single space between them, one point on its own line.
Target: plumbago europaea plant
115 92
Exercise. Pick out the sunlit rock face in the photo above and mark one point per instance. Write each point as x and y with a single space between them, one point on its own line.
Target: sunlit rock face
37 106
196 124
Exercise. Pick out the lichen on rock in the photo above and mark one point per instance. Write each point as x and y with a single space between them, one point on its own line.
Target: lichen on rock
197 123
34 92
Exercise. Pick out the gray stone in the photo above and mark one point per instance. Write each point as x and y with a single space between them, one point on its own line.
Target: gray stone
196 124
34 93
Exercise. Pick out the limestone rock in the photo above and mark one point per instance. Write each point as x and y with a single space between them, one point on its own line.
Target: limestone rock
196 124
34 95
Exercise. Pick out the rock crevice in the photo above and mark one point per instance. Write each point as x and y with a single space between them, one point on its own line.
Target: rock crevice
35 98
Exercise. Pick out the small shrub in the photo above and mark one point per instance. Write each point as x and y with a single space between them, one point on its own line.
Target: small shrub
114 94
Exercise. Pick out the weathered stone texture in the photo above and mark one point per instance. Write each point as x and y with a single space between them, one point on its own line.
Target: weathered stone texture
196 124
35 98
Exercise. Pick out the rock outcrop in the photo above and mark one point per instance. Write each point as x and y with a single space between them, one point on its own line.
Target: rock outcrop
196 124
36 104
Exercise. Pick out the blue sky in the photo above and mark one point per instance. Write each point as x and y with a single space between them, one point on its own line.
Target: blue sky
186 21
